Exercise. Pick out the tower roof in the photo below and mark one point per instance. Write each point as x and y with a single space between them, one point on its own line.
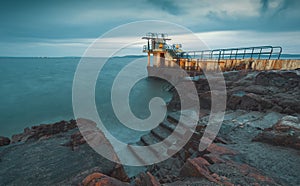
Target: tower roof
150 35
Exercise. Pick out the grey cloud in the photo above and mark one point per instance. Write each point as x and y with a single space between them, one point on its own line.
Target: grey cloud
265 5
169 6
33 20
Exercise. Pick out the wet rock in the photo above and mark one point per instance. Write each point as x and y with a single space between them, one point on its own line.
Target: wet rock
222 170
256 91
168 171
219 139
76 140
213 158
289 103
233 173
220 150
146 179
44 131
4 141
45 162
234 76
205 100
21 137
249 101
282 79
99 179
119 173
202 85
286 132
191 181
197 167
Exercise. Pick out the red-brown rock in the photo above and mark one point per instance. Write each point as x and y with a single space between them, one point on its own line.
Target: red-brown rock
99 179
286 132
92 177
220 150
146 179
197 167
120 173
213 158
76 140
44 131
249 171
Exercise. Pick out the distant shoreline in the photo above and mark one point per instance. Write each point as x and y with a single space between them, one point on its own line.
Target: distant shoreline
75 57
283 56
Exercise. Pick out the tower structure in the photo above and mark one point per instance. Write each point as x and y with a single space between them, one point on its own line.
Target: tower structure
157 46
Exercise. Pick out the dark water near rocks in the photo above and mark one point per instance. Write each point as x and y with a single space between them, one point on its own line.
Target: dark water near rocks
39 90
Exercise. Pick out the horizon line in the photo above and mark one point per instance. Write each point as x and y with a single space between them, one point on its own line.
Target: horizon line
141 55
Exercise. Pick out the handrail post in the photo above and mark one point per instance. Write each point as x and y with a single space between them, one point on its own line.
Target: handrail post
244 54
271 53
252 52
223 51
279 54
259 52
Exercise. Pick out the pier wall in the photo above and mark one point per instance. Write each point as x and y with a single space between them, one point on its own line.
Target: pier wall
259 64
235 64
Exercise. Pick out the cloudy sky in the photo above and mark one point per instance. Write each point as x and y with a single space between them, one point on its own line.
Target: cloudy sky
67 28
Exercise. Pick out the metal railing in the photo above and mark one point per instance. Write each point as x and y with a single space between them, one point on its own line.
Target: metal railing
258 52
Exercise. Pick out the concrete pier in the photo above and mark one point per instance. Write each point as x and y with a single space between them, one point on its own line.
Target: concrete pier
167 57
241 64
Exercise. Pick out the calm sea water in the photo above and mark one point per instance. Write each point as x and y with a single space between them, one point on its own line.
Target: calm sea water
39 90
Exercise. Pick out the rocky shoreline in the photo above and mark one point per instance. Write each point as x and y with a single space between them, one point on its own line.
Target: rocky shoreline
258 143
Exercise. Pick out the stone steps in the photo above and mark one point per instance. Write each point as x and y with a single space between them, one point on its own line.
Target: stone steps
155 136
160 133
174 118
166 129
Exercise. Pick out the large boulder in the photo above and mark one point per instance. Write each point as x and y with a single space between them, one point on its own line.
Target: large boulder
286 132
